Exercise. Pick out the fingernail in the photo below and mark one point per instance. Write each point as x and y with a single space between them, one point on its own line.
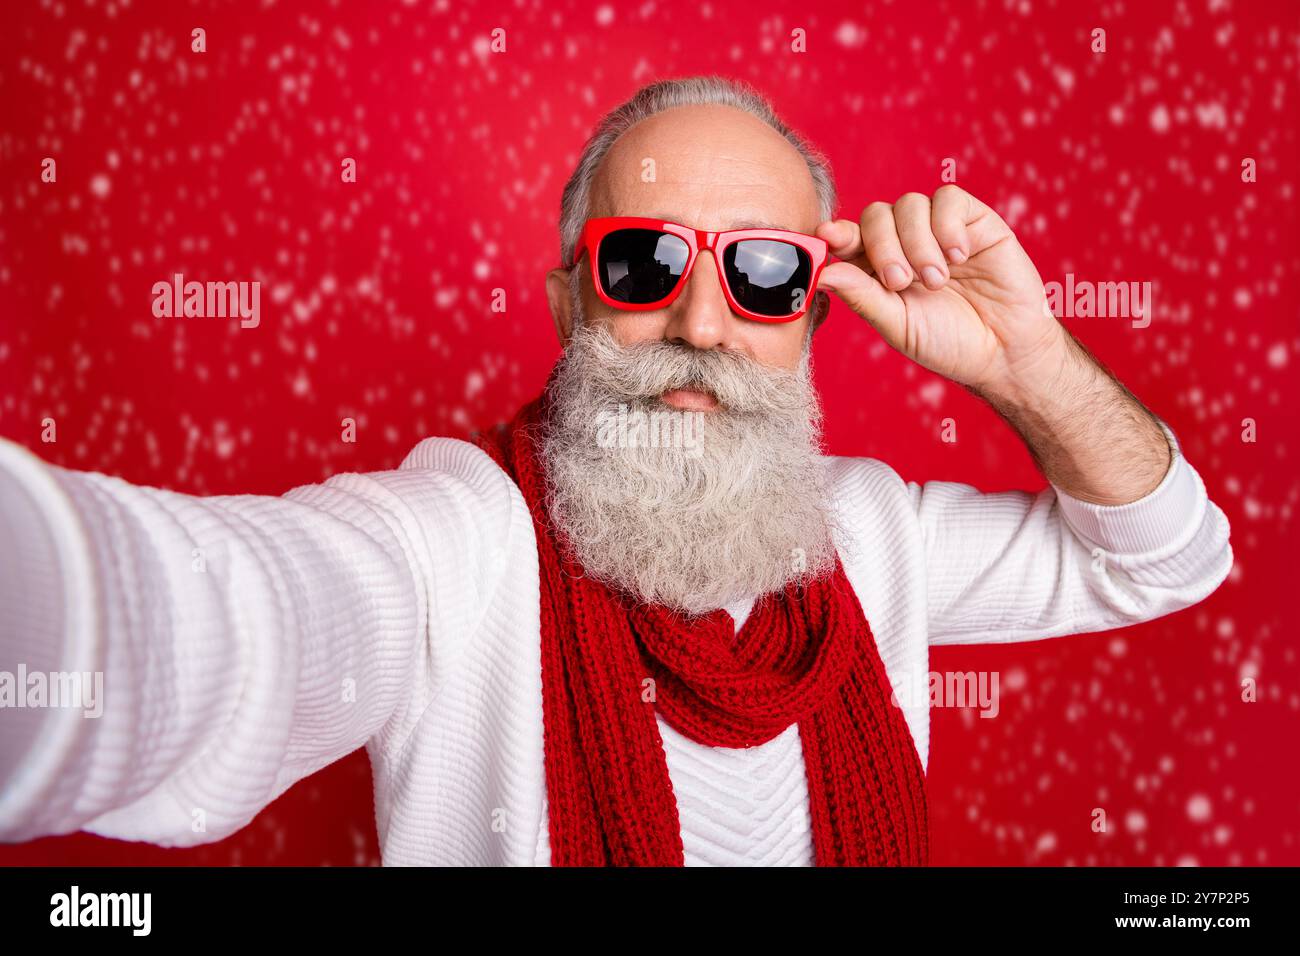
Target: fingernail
956 256
895 275
932 276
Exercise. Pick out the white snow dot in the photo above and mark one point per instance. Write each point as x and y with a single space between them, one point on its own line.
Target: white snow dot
850 34
100 185
1198 808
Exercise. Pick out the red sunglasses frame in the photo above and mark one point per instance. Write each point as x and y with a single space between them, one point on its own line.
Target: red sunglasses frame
595 230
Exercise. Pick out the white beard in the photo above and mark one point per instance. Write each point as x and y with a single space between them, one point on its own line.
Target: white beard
734 506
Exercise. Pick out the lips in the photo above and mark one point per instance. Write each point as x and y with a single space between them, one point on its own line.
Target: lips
689 399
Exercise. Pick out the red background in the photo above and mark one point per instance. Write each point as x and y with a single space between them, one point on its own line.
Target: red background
1122 166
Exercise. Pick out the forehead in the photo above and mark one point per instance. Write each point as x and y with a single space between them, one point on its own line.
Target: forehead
711 167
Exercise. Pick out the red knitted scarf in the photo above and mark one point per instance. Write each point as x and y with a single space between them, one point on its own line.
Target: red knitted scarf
805 656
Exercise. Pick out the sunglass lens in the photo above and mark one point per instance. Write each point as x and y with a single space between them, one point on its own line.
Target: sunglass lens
640 266
768 277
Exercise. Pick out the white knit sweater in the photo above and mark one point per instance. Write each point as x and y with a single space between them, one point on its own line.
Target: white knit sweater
248 641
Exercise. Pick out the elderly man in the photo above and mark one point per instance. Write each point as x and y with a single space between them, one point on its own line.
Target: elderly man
647 622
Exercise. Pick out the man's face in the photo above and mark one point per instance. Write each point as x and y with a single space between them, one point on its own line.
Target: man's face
715 168
719 493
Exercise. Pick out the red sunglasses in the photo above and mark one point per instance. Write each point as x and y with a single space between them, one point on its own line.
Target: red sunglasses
640 264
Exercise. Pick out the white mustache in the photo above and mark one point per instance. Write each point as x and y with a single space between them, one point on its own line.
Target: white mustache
646 370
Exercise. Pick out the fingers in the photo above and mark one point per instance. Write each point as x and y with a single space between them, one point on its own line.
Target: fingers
872 243
912 220
843 236
952 209
914 239
963 225
866 297
882 247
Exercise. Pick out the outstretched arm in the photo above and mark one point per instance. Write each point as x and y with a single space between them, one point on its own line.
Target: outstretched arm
240 642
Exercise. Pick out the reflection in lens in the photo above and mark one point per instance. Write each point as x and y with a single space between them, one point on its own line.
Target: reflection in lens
768 276
640 266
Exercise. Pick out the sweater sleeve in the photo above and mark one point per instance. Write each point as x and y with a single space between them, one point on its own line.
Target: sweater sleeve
1019 566
227 646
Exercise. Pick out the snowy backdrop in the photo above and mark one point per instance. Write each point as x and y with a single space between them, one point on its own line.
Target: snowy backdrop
1170 158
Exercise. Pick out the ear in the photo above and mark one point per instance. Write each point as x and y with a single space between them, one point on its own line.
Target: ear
560 302
821 308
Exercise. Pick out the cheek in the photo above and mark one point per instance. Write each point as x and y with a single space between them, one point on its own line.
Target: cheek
628 328
779 346
632 328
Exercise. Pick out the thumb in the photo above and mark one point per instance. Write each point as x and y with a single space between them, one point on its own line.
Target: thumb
862 293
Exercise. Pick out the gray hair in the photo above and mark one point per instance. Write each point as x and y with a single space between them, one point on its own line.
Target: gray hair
656 98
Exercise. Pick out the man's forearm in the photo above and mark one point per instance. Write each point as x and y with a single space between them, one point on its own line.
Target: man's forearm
1088 434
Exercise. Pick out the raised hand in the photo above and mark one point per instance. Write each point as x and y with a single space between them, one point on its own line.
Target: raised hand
946 283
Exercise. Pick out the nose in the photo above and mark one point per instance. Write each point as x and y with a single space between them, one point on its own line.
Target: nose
701 316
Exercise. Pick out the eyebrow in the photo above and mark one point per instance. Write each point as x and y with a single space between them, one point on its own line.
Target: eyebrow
735 223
